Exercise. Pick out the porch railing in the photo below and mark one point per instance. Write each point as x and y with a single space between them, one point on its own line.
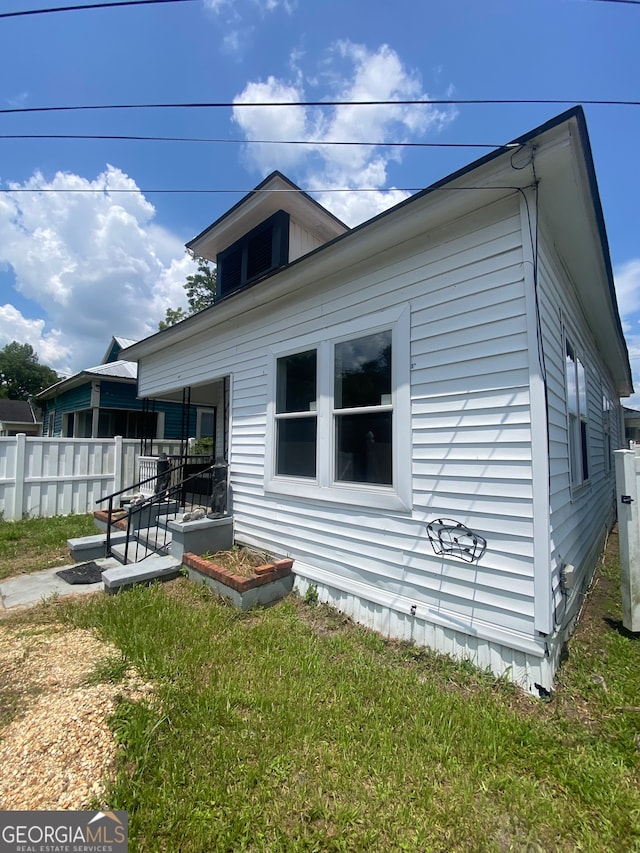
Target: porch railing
159 499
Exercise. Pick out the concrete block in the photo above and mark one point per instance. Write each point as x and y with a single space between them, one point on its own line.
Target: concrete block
200 537
259 595
84 548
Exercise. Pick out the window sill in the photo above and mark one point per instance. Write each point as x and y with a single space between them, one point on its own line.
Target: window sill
363 496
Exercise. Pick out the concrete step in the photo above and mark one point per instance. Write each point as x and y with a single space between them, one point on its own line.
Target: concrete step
154 537
135 552
154 568
85 548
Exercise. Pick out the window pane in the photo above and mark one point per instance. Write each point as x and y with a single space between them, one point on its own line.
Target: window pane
296 383
296 447
363 448
572 391
363 372
582 389
207 424
584 448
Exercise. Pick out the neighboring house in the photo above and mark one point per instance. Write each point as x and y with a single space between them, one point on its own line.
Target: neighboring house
422 410
19 416
102 401
631 425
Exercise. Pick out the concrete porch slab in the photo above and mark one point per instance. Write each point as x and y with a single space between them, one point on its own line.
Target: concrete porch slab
29 589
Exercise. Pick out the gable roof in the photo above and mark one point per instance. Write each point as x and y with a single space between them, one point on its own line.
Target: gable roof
565 176
119 371
17 411
111 367
275 193
113 350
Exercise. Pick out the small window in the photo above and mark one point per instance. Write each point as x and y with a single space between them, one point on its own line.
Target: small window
577 414
206 423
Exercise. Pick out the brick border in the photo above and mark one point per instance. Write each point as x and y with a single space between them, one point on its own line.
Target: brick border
262 574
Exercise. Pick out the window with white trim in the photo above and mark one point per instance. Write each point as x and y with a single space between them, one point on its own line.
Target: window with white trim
576 380
338 421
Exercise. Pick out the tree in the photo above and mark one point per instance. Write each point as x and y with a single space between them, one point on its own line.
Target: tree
201 292
21 375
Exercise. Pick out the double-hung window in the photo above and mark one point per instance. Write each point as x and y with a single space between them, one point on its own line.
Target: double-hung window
338 422
577 416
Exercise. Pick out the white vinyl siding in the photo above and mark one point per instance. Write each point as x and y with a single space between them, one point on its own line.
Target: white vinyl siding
467 440
580 517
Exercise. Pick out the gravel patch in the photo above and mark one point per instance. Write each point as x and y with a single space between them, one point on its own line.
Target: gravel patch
56 748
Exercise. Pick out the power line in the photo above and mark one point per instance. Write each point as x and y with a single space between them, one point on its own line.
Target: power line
408 102
84 6
628 2
318 142
253 191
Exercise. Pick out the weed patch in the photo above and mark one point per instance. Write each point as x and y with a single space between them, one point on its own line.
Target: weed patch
33 544
292 728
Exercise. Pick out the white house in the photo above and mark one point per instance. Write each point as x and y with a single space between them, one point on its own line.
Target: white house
422 410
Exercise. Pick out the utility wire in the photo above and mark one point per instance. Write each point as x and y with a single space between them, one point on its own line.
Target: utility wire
253 191
232 104
254 141
88 6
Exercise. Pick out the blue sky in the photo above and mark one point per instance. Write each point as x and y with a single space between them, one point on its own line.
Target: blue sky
78 268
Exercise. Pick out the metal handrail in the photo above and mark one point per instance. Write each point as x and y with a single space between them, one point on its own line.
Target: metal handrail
132 488
175 491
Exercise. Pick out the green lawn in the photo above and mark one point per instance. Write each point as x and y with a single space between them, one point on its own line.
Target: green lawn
38 543
292 729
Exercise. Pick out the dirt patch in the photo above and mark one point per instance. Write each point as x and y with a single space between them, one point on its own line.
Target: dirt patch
56 748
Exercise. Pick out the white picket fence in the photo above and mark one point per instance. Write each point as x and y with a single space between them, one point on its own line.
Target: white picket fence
628 499
46 477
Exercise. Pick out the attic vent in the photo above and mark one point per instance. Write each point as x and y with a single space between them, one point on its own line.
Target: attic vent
231 270
259 252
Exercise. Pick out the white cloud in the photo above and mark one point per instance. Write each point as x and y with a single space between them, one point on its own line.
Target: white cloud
49 346
627 282
352 73
240 8
94 261
237 17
